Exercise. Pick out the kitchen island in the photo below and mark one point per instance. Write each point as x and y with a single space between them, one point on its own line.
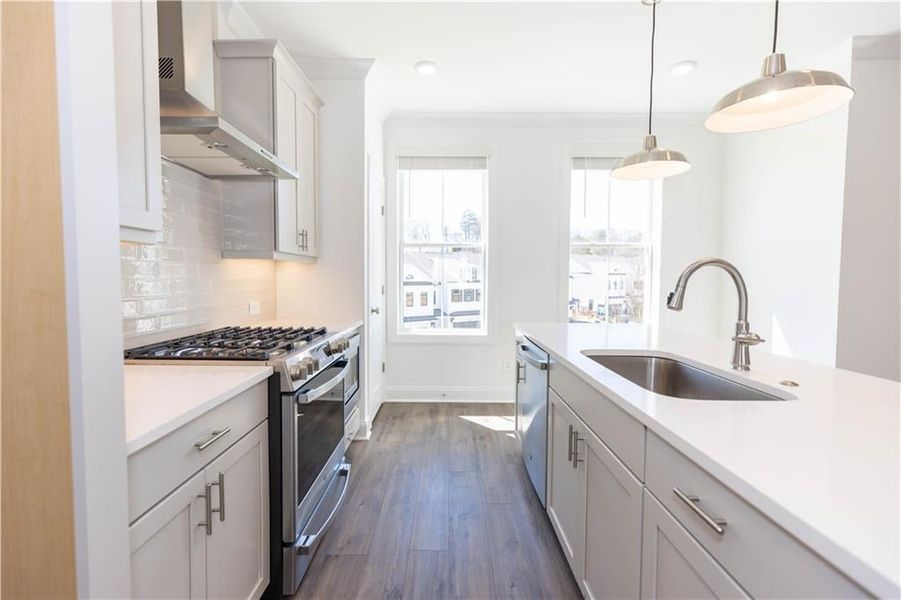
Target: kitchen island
822 463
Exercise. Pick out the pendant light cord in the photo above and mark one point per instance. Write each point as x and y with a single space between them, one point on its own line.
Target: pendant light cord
651 93
775 26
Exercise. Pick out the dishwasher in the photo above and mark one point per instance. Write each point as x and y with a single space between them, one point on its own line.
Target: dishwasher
531 410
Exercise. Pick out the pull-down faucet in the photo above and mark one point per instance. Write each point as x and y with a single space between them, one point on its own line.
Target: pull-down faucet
744 339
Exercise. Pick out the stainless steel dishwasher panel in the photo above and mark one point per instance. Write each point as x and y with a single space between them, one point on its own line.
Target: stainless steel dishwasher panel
531 411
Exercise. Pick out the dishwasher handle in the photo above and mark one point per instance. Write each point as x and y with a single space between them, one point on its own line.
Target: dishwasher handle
522 352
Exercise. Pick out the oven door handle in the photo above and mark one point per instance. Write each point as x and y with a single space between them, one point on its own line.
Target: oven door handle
309 542
318 392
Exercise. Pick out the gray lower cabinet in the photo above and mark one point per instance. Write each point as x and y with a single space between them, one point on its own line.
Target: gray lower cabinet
613 499
679 534
594 504
674 565
566 484
168 546
210 537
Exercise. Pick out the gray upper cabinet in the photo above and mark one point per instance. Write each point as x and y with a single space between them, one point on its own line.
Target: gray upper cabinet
265 94
137 121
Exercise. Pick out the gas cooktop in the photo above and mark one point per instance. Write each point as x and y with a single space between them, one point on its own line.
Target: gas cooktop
231 343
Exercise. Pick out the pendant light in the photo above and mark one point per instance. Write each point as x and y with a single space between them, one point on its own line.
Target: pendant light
779 97
651 162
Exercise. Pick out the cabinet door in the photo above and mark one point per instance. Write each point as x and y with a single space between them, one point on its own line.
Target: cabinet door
137 119
566 488
613 498
238 555
287 105
308 197
674 565
169 545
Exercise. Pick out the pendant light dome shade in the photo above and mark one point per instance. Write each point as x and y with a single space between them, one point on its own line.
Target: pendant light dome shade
651 162
778 98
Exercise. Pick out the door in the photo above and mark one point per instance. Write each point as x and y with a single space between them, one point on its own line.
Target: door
613 500
566 483
674 565
308 186
238 550
375 317
169 545
137 118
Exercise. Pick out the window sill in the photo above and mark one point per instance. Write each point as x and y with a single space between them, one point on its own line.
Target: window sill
441 338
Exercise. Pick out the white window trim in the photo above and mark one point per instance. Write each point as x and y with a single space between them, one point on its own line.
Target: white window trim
610 149
485 149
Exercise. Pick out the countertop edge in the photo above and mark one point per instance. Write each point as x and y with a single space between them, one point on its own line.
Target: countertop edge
139 443
845 561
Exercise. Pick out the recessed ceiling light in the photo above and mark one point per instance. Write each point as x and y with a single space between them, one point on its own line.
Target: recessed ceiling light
683 67
426 68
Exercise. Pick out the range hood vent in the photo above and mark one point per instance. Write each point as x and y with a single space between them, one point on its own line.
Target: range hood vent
193 134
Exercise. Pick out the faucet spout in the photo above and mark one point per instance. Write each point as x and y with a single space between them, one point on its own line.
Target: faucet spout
741 357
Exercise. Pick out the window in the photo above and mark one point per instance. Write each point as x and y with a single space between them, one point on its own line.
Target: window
443 204
409 299
423 298
610 245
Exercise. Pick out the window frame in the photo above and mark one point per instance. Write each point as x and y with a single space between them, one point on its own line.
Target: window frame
437 148
612 151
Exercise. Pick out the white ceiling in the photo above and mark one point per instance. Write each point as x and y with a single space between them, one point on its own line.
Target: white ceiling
566 57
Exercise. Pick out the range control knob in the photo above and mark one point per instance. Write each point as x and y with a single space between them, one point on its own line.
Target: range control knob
307 366
315 363
297 372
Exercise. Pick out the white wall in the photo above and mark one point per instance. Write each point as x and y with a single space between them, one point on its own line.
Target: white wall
868 303
87 124
330 290
782 227
530 216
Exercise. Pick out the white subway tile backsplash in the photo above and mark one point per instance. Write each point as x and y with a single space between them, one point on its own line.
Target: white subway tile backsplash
182 282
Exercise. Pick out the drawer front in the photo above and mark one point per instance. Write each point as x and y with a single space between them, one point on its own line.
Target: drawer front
765 559
622 434
161 467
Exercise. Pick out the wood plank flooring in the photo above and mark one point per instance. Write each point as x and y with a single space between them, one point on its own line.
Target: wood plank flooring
440 507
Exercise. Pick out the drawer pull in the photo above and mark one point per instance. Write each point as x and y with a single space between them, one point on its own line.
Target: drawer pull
718 525
214 437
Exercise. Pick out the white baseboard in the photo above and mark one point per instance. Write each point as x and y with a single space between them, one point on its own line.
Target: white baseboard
416 393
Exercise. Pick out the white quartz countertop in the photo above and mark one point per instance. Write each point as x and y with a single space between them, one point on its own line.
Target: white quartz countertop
161 398
824 465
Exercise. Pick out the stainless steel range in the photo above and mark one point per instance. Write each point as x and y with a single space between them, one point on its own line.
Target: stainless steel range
312 399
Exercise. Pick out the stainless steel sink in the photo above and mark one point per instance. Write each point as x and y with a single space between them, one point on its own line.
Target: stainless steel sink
670 377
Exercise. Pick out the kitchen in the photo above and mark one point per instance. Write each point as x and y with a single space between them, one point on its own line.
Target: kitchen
344 301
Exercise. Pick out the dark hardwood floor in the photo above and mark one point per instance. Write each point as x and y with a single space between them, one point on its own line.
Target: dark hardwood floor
440 506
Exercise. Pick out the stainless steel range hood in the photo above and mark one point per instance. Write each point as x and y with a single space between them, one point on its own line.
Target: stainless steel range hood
194 135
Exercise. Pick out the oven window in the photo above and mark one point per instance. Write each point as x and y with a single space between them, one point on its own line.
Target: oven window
320 428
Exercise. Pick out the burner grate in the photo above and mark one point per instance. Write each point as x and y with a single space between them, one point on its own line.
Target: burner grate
230 343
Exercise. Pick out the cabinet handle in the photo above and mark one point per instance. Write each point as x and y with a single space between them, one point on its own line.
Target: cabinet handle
214 437
207 495
221 486
569 447
718 525
520 368
576 439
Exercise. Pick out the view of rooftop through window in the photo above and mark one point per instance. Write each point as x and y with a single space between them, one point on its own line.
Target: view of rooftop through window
610 245
443 202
